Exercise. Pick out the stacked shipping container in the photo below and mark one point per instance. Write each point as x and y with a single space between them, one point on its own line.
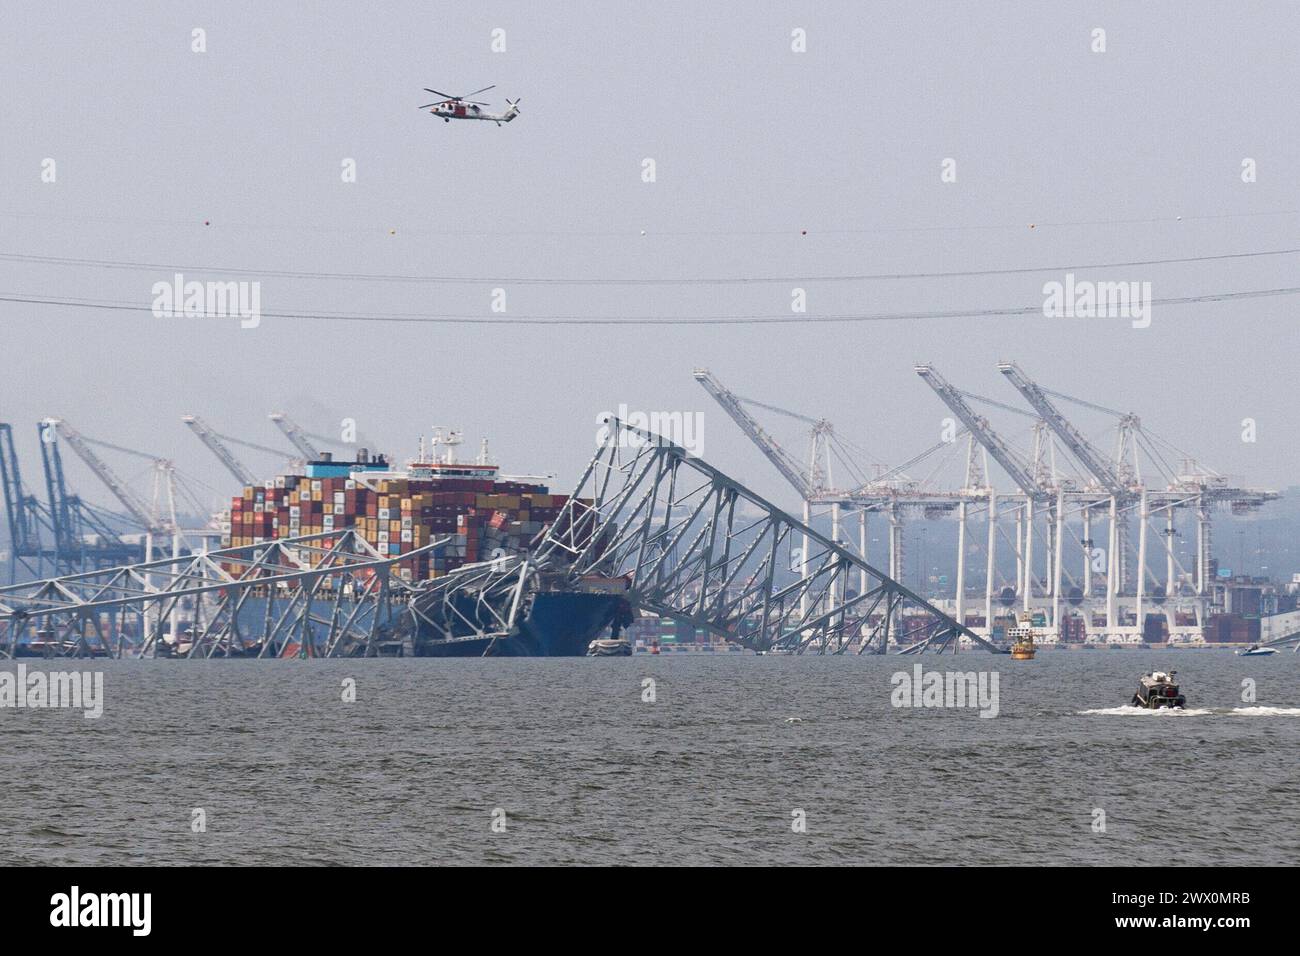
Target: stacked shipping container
398 516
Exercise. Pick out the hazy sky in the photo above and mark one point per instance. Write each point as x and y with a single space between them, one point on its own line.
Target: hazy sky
753 143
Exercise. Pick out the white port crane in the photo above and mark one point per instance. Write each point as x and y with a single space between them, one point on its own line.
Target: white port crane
808 482
147 518
1106 477
218 444
1083 451
213 441
1028 477
296 435
979 427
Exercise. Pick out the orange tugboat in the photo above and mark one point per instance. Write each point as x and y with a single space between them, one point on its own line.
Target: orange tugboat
1022 636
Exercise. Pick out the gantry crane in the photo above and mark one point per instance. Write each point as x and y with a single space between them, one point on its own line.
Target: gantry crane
213 441
71 519
809 482
296 435
1102 471
1036 486
22 511
803 481
135 507
63 535
979 427
1083 451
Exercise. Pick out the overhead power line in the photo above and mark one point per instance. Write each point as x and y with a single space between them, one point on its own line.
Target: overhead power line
643 320
618 281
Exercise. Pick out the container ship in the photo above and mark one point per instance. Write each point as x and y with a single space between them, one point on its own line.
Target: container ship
557 622
486 514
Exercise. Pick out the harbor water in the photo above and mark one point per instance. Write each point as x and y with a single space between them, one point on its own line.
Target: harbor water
738 759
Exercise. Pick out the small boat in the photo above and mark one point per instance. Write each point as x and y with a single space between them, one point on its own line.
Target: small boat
1022 636
1157 690
1256 651
610 647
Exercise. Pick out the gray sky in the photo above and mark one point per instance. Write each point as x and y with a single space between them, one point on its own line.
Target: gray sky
752 142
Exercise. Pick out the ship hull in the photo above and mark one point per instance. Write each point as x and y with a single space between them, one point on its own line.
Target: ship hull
559 624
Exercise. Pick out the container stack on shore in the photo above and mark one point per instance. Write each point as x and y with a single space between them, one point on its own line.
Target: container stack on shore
485 517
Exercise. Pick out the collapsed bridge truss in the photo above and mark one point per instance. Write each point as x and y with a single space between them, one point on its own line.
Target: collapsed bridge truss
682 539
284 597
693 545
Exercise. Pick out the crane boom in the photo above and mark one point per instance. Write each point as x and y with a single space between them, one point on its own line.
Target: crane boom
24 537
1079 447
777 455
978 426
296 435
215 445
134 506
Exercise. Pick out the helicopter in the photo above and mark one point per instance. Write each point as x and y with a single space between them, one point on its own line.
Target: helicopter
462 107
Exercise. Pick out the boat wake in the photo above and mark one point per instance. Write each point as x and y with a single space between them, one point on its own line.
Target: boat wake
1127 710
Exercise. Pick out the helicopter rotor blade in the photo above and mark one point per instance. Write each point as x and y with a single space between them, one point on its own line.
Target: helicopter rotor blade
484 90
442 94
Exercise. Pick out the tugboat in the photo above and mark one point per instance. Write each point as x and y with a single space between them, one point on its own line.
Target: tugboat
1256 651
1022 636
1157 690
610 647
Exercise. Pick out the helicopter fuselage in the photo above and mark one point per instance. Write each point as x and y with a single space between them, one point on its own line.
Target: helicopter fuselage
462 107
451 111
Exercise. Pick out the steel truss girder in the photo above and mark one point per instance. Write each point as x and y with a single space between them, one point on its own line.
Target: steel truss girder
332 587
695 545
